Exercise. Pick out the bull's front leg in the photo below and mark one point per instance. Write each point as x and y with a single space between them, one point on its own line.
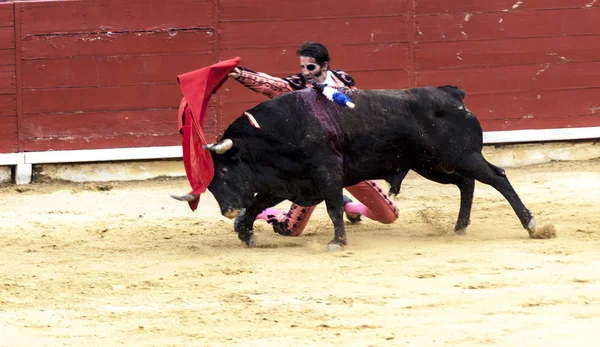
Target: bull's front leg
328 177
335 208
244 223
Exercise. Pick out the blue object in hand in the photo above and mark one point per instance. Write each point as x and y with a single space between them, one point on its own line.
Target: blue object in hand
334 95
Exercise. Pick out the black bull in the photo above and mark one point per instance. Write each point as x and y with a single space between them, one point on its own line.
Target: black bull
306 149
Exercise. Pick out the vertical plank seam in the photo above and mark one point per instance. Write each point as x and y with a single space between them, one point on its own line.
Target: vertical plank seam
216 58
412 19
18 75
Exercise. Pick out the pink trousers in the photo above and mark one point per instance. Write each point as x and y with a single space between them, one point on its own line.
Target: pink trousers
374 204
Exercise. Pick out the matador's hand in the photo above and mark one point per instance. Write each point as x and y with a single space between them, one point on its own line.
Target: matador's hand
235 73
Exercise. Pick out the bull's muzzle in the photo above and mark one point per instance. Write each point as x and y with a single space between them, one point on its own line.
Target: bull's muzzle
220 147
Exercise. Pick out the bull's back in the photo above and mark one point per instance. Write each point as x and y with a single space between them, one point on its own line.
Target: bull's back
427 115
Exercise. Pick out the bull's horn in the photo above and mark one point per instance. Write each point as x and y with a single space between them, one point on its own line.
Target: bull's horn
221 147
186 197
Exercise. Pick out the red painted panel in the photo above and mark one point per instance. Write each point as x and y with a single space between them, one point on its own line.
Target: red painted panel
8 105
93 124
8 145
7 38
119 141
582 21
364 57
327 31
110 71
572 75
502 25
52 17
461 6
483 80
381 79
291 10
210 124
535 104
65 100
460 54
7 14
8 129
234 92
7 79
383 56
280 61
550 123
61 46
516 78
7 57
89 130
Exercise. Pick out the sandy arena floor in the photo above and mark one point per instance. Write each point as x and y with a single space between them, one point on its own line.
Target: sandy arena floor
106 264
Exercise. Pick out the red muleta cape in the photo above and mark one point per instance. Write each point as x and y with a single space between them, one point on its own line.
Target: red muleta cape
197 87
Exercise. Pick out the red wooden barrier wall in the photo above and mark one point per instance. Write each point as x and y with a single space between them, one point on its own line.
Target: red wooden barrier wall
101 73
8 97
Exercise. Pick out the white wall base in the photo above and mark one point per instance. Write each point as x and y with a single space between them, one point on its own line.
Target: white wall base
12 158
538 135
110 154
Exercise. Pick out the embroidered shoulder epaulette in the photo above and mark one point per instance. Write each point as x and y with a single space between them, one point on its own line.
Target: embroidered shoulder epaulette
297 82
344 77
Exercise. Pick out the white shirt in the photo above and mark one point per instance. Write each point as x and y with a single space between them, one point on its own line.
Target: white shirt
329 79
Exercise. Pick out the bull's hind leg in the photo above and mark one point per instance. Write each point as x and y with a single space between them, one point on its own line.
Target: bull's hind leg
244 223
395 182
465 184
477 167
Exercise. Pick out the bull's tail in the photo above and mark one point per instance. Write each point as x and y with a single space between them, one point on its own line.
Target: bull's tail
456 95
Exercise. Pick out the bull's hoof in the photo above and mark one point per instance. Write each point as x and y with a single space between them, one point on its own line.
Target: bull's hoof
247 237
461 231
251 242
531 226
334 247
